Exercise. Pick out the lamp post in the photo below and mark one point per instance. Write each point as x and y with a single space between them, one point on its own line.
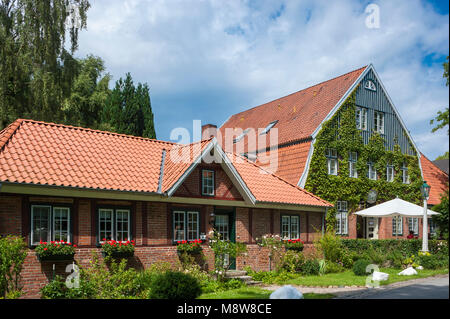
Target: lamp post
425 190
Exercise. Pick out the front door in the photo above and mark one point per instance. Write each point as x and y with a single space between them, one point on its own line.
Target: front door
372 228
224 225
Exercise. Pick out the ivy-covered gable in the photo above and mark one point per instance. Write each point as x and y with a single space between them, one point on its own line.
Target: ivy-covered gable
340 133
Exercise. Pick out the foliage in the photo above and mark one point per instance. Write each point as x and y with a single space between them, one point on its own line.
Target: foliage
57 289
330 246
191 247
112 247
175 285
223 250
333 268
294 244
212 286
341 134
443 156
13 251
310 267
36 68
292 261
274 244
359 267
442 219
442 117
55 248
128 109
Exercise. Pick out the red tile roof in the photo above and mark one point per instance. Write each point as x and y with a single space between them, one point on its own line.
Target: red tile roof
436 178
267 187
298 114
40 153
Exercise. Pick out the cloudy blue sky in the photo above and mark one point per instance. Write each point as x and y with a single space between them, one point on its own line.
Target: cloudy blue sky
207 60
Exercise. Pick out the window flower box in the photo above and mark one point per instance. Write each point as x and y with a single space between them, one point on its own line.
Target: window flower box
116 249
192 247
294 244
55 251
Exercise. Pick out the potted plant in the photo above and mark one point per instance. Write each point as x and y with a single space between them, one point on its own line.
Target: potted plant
117 249
192 247
294 244
55 251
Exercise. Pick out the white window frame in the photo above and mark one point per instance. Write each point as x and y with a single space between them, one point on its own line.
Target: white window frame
114 224
413 224
352 160
397 226
405 175
332 161
51 223
371 171
68 222
342 218
390 167
378 122
185 230
210 188
370 85
290 223
361 118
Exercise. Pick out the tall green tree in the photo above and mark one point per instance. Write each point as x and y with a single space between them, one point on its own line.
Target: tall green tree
36 68
128 109
89 94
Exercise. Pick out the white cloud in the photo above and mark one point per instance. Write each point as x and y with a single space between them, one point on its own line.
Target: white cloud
210 59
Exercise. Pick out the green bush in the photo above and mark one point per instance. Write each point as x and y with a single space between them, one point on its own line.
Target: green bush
331 246
332 268
57 289
13 251
359 267
310 267
431 261
175 285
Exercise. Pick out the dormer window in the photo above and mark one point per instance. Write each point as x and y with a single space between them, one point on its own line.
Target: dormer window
370 85
240 137
268 127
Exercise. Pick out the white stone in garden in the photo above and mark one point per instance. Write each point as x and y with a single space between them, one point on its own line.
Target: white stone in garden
380 276
420 268
408 272
286 292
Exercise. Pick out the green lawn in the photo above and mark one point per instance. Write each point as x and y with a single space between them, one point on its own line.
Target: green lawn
347 278
254 293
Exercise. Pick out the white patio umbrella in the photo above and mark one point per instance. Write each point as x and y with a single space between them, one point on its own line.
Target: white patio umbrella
395 207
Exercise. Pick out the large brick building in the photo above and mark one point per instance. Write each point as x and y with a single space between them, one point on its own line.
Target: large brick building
60 182
300 118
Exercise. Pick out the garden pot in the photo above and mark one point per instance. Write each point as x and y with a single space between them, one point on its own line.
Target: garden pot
54 258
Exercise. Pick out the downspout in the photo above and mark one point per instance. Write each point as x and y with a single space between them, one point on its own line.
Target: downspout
161 171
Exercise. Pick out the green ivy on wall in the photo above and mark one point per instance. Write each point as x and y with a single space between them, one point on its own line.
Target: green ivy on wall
340 133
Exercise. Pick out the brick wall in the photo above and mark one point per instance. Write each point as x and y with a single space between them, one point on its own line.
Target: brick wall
151 225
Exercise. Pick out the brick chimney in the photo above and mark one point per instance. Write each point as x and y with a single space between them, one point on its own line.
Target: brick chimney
208 131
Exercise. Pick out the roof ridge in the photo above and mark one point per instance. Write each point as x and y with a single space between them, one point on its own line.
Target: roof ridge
308 87
282 179
96 131
9 131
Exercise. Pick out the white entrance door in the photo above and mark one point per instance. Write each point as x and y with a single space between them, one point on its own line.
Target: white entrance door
372 228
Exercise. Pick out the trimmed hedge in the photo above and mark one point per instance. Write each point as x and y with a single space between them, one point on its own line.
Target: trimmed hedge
406 247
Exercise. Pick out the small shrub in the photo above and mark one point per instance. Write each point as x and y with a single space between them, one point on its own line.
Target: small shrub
175 285
292 261
359 267
431 261
332 268
13 251
310 267
57 289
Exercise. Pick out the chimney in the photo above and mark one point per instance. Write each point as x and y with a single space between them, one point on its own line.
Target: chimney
208 131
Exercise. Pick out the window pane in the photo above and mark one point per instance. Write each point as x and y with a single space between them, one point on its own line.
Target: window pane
122 225
207 182
294 227
222 226
178 223
285 227
192 220
40 218
105 224
61 224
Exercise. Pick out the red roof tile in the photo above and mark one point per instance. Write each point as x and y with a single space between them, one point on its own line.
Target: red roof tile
298 114
436 178
42 153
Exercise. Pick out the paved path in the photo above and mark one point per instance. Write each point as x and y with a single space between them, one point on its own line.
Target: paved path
424 288
436 287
